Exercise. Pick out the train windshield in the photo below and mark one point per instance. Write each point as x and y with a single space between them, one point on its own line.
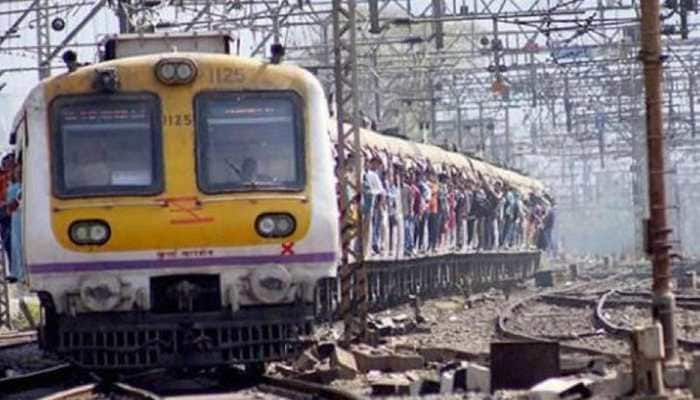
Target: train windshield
248 141
107 145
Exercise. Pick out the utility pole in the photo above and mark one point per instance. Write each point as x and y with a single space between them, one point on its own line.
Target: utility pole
352 271
657 231
43 38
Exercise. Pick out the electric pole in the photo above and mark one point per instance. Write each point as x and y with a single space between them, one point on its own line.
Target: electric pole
657 231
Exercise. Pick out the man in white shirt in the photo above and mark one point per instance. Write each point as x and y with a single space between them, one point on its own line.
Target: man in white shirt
374 188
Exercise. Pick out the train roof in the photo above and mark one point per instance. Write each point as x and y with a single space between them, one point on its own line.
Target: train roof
439 159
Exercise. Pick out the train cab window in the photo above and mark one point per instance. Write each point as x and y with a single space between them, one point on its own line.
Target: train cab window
249 141
106 145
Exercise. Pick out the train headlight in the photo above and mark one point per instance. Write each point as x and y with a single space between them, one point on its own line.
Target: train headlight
275 225
89 232
167 71
176 71
270 284
184 72
266 226
101 292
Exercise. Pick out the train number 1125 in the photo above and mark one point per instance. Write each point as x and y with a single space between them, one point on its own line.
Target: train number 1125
177 119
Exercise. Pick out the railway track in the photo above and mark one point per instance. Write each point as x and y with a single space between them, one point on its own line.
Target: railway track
12 339
102 391
294 388
566 316
66 383
20 355
641 302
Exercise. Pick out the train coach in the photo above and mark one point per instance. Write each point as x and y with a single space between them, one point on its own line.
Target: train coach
179 204
178 207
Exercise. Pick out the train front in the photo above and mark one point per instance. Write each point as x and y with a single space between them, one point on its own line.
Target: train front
180 209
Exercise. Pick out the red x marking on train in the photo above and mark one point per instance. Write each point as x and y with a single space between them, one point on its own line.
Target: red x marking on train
287 249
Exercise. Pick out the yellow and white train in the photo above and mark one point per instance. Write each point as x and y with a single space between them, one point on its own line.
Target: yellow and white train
179 207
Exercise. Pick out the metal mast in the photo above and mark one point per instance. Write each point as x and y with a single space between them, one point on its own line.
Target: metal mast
657 230
353 274
43 39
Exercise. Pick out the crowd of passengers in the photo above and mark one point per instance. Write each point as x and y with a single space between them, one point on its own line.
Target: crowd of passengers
410 208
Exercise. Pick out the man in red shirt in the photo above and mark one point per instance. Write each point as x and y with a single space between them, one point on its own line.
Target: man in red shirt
6 170
6 167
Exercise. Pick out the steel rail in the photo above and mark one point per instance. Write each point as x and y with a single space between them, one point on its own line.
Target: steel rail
50 376
620 330
689 302
92 386
93 390
508 312
15 339
314 390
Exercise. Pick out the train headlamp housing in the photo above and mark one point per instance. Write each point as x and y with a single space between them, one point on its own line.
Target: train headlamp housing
89 232
275 225
176 71
106 80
